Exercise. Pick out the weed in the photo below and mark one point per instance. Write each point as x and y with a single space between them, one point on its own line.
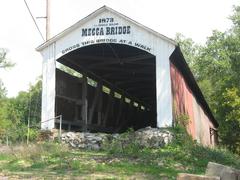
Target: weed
122 158
124 144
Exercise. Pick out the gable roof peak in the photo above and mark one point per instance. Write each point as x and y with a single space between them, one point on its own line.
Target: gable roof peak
92 15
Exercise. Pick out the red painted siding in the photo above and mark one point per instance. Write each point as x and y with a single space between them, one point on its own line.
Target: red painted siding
184 102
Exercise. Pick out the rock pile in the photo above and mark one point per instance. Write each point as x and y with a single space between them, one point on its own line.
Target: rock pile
153 137
84 140
146 137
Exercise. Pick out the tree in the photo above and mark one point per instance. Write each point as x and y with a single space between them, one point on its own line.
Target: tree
4 62
192 52
3 91
15 112
216 67
189 48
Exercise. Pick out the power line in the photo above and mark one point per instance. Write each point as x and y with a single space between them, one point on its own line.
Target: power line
34 20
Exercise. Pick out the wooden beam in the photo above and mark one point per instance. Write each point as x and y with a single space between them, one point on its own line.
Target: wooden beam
116 62
139 88
108 110
125 70
95 101
77 101
129 115
89 58
133 80
110 61
85 103
61 72
128 74
115 76
147 98
90 74
142 63
119 115
137 84
100 102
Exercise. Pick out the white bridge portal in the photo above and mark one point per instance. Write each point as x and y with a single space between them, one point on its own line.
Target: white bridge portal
115 74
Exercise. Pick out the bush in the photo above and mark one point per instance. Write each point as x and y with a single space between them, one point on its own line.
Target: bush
182 120
16 135
181 136
124 143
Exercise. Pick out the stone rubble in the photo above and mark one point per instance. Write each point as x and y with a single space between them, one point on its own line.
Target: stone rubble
84 140
225 172
145 137
185 176
153 137
214 171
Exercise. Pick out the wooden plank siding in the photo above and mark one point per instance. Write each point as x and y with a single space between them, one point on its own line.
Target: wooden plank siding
184 102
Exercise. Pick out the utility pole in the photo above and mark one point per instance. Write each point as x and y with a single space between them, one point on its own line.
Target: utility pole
47 19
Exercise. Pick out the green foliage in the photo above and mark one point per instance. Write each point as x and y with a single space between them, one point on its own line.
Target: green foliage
3 91
14 114
216 67
189 48
218 64
33 134
125 143
232 104
193 157
181 136
182 120
4 63
182 155
58 160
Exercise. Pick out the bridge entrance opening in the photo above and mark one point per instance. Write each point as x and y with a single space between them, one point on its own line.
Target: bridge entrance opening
106 88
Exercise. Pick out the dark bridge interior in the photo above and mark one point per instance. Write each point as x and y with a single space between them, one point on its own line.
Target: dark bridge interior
116 89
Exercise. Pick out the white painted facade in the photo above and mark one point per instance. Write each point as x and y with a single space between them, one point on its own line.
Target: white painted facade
72 39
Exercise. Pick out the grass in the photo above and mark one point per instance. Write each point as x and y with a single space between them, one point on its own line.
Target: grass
73 163
52 160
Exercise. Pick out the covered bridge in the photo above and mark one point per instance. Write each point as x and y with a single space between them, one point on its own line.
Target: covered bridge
123 75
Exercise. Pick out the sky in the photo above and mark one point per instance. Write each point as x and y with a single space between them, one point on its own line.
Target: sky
193 18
